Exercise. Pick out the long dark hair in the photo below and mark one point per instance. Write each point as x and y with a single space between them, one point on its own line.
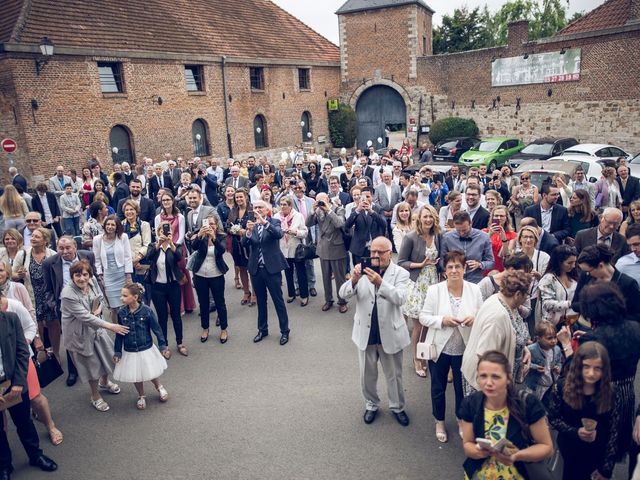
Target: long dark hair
514 401
558 257
587 213
573 390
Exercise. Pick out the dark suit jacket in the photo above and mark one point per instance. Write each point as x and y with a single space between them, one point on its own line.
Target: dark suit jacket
15 352
560 227
481 219
121 192
200 247
128 177
147 210
449 181
502 189
367 227
54 280
627 285
211 189
20 180
632 192
154 185
54 207
344 198
368 172
585 238
274 260
548 242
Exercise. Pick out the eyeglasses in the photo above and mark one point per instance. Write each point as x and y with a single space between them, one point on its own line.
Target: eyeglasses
32 221
526 178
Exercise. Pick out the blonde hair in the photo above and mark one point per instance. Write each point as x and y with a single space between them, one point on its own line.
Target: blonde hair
509 227
399 221
11 203
435 229
15 234
530 229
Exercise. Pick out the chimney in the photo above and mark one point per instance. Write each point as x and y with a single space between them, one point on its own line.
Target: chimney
518 32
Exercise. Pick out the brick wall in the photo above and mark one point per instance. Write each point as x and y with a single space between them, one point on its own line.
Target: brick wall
74 118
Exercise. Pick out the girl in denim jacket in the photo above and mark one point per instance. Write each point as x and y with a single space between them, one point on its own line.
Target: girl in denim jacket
141 360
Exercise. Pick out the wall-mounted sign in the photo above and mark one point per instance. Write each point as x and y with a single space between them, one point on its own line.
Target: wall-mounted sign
332 104
549 67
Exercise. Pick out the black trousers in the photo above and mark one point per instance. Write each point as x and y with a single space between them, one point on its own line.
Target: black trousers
161 294
439 371
21 416
215 285
264 281
301 273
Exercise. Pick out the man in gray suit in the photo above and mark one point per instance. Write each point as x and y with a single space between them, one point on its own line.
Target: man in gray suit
379 329
198 211
387 195
235 180
331 250
58 181
174 172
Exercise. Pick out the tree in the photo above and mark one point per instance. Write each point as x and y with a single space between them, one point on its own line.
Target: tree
460 32
469 30
342 126
452 127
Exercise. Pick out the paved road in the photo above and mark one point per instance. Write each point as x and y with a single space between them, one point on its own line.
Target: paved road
245 411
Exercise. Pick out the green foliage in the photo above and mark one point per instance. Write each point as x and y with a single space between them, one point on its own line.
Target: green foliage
463 31
469 30
342 126
452 127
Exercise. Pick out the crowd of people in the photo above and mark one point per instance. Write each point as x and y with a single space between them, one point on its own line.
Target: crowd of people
521 296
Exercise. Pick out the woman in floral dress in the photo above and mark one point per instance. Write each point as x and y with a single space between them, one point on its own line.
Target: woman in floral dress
419 255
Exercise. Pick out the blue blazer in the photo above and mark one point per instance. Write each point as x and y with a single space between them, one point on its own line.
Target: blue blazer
274 260
537 358
366 226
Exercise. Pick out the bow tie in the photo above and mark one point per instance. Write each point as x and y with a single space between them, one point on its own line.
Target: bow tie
466 239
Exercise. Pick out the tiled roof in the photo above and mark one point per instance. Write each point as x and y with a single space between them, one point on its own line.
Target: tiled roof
237 28
613 13
362 5
9 17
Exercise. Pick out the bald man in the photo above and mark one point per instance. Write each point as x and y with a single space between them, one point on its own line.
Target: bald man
379 330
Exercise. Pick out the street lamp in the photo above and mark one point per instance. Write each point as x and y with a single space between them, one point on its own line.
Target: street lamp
46 49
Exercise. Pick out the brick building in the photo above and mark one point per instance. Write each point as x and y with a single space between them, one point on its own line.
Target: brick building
207 77
399 72
217 78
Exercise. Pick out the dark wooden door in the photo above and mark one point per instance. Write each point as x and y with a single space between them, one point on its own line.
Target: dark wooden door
378 106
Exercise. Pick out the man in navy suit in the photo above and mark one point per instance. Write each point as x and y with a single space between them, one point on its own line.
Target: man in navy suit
553 218
160 180
266 263
147 208
122 189
368 223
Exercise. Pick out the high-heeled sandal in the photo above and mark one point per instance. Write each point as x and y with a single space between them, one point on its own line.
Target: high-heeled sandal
245 299
441 432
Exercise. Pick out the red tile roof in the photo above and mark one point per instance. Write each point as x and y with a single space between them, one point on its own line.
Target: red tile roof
9 17
236 28
613 13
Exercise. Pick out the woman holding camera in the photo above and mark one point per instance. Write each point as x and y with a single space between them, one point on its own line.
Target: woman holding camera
449 310
501 233
169 214
208 275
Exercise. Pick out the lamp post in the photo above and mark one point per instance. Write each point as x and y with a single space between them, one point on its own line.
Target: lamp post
46 49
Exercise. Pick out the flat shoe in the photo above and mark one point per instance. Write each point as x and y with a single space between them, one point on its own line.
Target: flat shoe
327 306
343 308
304 302
313 292
441 433
164 396
182 350
100 405
421 373
110 387
402 418
369 416
290 300
141 404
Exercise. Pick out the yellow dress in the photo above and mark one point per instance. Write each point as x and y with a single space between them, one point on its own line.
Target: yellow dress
495 427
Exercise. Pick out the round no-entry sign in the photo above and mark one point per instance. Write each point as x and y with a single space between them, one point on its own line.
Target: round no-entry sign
9 145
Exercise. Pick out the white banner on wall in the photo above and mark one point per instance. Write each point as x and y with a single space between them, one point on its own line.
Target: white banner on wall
537 68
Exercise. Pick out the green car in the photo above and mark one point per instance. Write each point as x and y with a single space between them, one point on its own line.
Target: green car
492 152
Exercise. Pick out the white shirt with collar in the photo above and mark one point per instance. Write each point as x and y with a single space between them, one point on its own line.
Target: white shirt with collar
546 218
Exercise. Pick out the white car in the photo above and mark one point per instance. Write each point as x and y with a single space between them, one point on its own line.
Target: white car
596 150
592 165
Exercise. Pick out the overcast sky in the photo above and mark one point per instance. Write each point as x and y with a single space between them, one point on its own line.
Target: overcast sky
319 14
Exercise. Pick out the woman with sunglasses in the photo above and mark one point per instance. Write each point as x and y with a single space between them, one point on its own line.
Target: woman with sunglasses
522 196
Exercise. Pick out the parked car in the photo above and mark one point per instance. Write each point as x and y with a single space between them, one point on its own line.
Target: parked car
592 165
543 171
596 150
542 149
451 149
493 152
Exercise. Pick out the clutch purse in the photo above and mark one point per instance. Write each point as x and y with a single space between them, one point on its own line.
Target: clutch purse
4 388
424 350
48 370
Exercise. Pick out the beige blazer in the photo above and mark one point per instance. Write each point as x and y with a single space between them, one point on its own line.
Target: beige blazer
492 330
139 244
390 297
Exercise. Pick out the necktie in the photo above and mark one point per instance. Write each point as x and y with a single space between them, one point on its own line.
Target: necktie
235 184
302 208
260 256
161 181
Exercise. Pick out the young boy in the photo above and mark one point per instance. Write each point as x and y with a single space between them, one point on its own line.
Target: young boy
546 361
71 208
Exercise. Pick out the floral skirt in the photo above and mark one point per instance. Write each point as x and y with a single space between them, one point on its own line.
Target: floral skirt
418 291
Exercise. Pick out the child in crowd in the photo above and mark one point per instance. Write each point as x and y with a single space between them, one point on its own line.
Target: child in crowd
585 409
546 361
141 360
71 208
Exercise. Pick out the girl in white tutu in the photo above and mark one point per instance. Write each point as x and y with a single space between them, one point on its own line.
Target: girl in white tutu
141 360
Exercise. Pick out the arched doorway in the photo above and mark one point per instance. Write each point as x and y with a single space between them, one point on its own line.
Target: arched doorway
199 138
305 123
379 107
121 145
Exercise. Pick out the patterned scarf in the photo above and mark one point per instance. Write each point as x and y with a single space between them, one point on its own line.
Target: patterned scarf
131 230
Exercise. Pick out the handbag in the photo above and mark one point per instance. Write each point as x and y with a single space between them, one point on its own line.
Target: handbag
424 350
191 261
305 252
48 370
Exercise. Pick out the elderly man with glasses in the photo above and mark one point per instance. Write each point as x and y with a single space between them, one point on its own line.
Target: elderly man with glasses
379 330
606 233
